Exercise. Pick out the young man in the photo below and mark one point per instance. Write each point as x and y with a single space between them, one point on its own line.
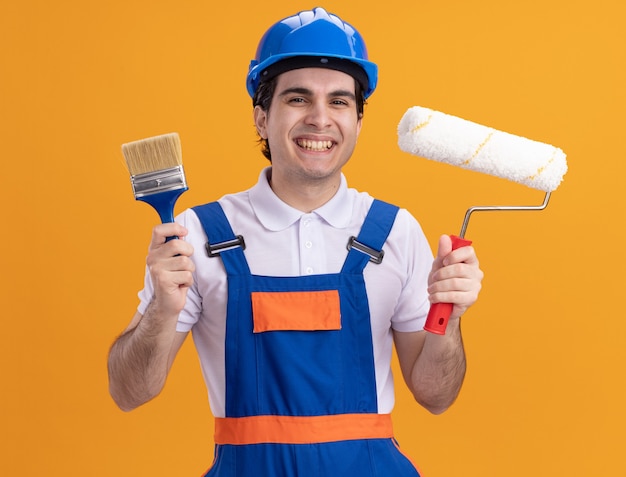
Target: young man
294 323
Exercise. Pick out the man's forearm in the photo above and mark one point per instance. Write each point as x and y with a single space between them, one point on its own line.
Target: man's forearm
439 371
139 361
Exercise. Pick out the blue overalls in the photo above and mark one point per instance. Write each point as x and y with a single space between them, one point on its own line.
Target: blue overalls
300 385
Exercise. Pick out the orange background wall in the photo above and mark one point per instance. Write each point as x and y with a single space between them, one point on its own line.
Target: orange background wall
544 392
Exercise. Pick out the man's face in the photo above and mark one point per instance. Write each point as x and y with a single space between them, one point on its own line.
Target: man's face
312 124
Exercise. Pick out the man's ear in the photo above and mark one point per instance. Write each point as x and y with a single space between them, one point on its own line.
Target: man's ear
359 124
260 121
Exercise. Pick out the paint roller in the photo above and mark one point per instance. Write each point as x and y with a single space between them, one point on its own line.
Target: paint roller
444 138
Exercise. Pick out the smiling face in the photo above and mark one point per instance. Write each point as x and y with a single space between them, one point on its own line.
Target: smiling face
311 126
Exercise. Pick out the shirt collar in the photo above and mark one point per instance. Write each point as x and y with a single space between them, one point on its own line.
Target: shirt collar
276 215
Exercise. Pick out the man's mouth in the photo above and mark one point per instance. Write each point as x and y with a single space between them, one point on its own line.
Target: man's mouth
315 146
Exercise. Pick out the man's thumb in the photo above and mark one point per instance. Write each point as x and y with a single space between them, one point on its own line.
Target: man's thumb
445 246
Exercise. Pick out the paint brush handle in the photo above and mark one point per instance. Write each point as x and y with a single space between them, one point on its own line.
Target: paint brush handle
439 313
163 203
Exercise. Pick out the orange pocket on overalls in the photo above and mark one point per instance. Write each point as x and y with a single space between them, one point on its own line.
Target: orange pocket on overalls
296 311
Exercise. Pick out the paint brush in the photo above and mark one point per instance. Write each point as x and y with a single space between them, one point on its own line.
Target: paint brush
156 172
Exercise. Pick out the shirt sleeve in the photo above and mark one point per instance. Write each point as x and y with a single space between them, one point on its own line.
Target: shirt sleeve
413 305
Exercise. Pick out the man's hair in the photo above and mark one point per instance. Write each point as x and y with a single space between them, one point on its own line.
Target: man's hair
265 93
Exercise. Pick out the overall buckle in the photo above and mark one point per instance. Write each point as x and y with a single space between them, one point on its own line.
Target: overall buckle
376 256
213 250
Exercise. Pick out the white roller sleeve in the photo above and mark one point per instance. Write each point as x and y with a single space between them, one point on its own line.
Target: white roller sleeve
444 138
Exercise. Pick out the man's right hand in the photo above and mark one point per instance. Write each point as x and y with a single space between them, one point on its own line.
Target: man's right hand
171 268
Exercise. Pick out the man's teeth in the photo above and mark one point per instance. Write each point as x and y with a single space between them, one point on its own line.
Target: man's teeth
315 145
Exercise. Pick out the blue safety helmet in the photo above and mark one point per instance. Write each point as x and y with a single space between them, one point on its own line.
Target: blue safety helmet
312 38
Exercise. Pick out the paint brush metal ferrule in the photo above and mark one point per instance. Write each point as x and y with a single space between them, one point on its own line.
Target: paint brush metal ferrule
156 182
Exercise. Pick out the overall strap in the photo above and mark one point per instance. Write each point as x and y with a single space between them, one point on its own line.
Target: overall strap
222 241
368 246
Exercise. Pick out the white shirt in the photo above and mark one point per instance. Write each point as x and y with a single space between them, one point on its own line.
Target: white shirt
283 241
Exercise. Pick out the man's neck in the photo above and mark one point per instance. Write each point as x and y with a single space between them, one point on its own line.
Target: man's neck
304 195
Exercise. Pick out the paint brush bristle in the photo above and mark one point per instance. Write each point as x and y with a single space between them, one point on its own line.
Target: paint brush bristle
153 154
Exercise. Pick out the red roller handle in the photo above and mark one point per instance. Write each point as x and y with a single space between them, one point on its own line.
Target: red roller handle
439 313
